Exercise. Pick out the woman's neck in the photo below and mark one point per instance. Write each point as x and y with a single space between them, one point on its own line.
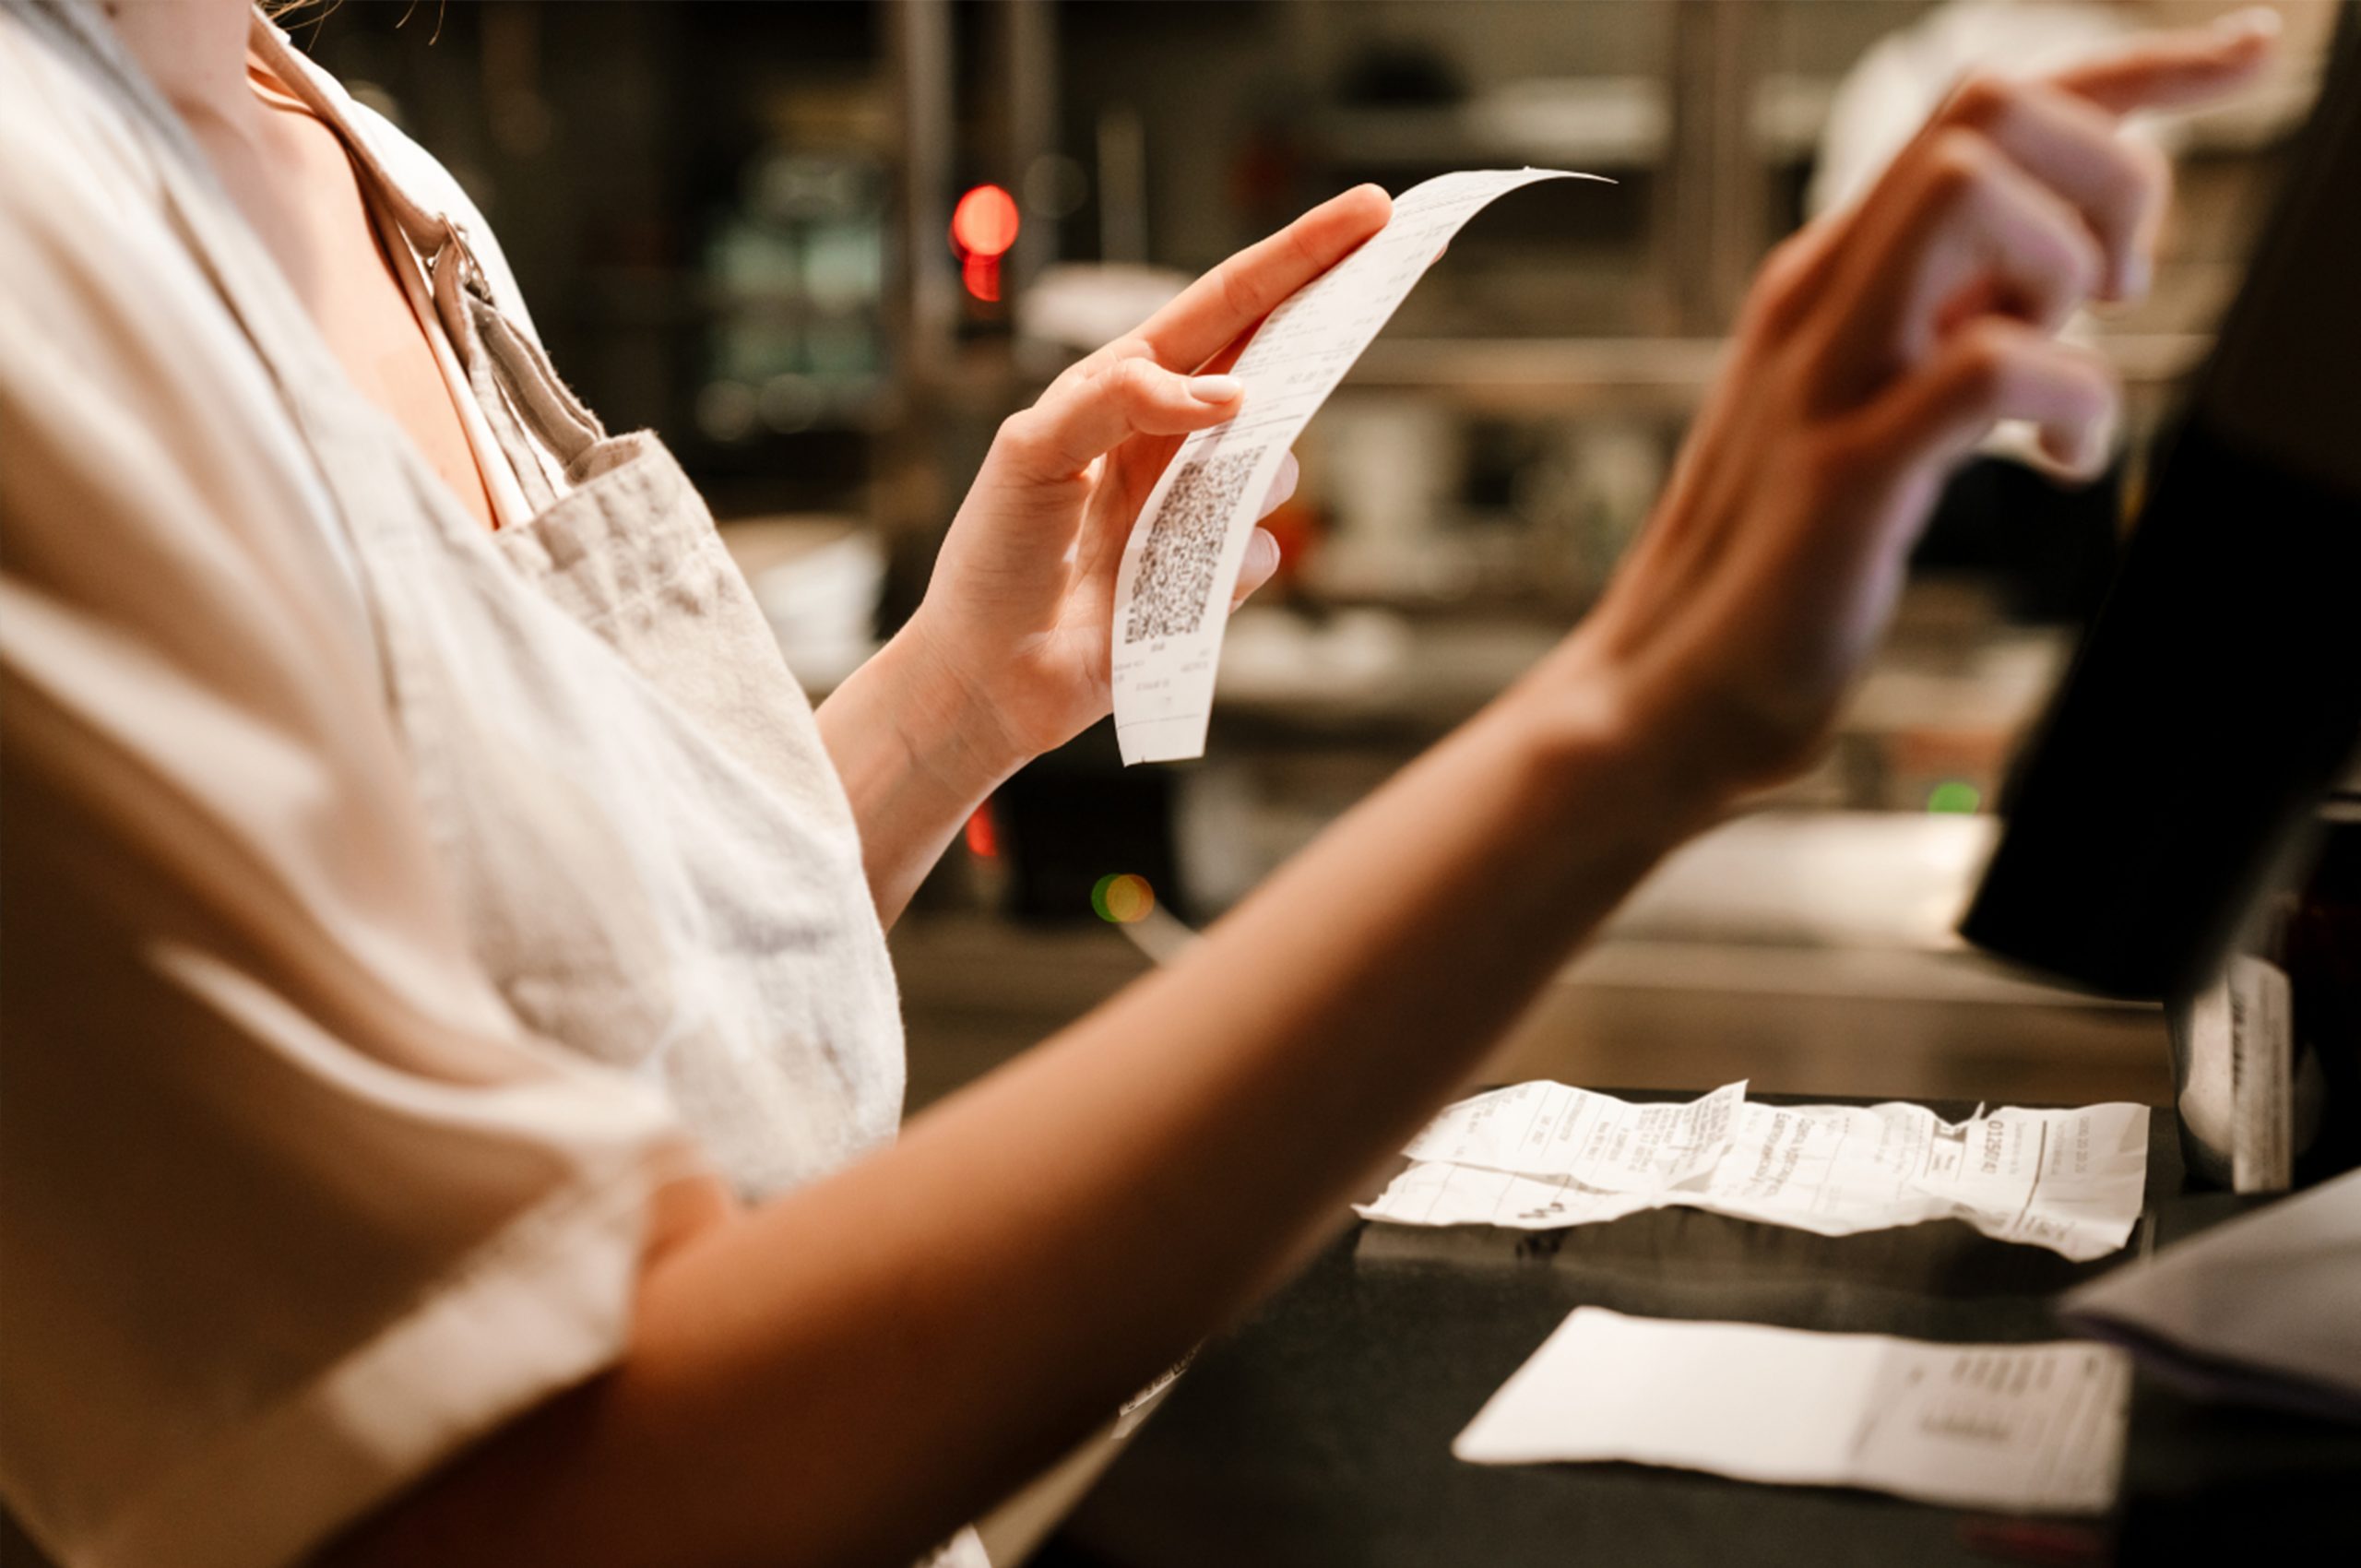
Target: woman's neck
194 51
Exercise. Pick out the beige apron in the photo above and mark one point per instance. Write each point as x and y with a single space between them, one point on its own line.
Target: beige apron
657 863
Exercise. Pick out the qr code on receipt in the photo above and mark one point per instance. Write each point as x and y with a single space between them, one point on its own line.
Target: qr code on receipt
1175 582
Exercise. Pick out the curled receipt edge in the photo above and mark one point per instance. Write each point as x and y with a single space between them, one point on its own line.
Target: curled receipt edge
1181 562
1540 1155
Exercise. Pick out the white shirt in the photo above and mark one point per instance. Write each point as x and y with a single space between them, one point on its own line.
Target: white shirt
291 1208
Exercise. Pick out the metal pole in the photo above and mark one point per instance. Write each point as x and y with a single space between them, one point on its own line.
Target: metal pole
908 499
925 288
1713 210
1032 129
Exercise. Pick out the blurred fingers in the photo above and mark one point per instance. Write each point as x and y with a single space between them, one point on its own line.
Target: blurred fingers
2177 70
1262 557
1990 370
2117 184
1985 186
1255 567
1973 225
1282 488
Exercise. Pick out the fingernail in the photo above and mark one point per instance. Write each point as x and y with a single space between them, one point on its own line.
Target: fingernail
2260 21
1216 388
2133 277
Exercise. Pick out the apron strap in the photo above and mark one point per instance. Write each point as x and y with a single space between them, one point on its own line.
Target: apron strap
520 392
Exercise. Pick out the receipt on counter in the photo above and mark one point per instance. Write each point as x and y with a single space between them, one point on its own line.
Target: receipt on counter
1173 589
1546 1129
2071 1181
2022 1428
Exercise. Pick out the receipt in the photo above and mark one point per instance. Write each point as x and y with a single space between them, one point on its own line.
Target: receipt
2071 1181
1172 589
1546 1129
2023 1428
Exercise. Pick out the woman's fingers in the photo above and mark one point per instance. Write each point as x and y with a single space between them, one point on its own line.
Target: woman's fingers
2177 70
1975 208
2117 184
1262 557
2064 130
1993 369
1088 413
1254 568
1249 285
1282 487
1968 222
1986 220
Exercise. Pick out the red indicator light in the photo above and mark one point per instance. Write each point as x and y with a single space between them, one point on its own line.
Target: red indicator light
983 226
984 223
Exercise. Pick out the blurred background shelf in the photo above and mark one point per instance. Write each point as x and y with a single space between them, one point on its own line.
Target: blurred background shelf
1638 376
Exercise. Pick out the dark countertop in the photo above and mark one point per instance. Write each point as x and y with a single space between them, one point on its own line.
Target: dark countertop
1319 1430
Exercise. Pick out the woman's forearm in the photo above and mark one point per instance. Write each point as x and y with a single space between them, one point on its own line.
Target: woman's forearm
848 1372
918 755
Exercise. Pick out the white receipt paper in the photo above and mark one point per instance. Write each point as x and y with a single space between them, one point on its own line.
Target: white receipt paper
2032 1429
1173 589
1538 1156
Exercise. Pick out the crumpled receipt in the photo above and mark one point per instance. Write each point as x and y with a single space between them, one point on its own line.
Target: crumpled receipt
1541 1155
2026 1428
1181 562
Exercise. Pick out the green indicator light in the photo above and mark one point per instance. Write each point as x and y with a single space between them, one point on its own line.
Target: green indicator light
1955 796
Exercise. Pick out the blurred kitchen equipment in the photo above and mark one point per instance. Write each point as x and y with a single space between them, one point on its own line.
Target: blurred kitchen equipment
2266 1057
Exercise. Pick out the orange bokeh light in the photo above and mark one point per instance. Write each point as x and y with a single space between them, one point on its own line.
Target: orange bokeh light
983 834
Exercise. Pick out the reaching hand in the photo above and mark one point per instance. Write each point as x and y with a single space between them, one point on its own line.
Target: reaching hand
1876 349
1020 609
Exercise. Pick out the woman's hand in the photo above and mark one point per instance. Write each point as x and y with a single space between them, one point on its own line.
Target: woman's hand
1009 654
1877 348
1021 606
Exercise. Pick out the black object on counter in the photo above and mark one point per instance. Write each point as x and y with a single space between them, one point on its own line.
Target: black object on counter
2219 693
2320 948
